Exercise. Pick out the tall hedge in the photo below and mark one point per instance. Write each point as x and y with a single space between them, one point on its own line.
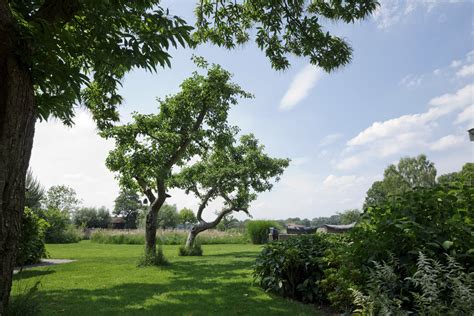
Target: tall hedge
258 230
31 247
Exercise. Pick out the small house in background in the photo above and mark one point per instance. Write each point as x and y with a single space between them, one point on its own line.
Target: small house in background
335 229
118 223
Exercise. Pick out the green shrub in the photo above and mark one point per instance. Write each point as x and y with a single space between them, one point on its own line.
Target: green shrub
195 250
258 230
438 289
340 273
292 268
60 230
158 259
31 246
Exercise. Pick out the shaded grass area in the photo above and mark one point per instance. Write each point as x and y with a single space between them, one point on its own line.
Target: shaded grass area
106 281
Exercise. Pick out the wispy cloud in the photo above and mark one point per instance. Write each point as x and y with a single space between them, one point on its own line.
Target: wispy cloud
466 71
299 88
411 81
448 142
393 12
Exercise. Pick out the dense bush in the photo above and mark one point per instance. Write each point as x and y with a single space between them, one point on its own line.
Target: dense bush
59 229
195 250
439 289
437 221
292 268
258 230
90 217
31 246
137 237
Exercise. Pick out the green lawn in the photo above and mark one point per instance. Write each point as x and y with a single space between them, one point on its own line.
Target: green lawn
106 281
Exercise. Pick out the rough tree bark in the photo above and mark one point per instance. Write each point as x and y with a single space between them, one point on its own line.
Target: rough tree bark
155 205
203 225
17 121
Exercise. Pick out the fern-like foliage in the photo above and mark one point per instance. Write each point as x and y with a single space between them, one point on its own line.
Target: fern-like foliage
438 289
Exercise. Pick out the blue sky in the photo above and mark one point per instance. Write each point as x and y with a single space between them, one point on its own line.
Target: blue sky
408 90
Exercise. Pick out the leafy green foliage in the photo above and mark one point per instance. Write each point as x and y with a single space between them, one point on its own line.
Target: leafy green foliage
62 198
194 250
152 144
439 289
227 222
281 27
59 228
167 217
293 267
341 275
72 61
186 216
31 246
128 205
90 217
434 220
409 173
234 172
34 191
258 230
349 216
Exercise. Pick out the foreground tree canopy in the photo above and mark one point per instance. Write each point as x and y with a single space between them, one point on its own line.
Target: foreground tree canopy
234 172
187 123
55 55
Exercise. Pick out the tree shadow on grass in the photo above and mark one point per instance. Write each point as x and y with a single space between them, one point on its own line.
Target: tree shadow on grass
200 287
25 274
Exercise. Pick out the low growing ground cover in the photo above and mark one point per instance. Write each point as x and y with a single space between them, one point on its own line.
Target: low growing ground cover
105 281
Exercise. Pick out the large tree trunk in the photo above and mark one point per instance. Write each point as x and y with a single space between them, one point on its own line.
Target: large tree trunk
17 120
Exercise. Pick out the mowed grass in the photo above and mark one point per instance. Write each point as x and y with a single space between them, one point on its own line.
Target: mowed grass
105 280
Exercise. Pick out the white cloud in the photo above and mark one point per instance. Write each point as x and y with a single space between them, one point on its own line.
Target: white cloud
75 157
299 88
411 81
306 194
448 142
437 72
462 97
411 131
456 63
465 71
392 12
466 116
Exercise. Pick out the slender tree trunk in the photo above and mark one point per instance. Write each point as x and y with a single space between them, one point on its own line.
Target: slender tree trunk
150 232
194 231
151 226
17 121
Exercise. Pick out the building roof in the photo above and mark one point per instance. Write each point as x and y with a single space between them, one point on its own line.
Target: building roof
340 227
118 220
